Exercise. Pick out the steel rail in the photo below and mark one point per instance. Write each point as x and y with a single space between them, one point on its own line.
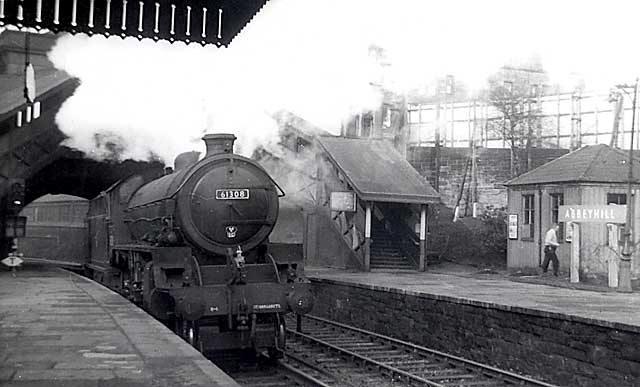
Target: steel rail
390 369
415 347
303 375
316 368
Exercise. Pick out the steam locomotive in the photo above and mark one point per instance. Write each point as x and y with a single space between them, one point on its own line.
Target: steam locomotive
191 247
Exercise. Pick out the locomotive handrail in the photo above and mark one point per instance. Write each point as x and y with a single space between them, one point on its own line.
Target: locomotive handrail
127 220
197 266
190 174
266 222
281 194
275 266
234 186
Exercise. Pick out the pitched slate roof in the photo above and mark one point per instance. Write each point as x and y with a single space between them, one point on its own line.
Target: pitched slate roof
377 172
589 164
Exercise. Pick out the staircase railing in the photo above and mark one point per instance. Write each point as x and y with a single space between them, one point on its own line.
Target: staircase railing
352 236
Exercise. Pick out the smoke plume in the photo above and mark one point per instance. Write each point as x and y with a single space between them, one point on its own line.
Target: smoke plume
311 57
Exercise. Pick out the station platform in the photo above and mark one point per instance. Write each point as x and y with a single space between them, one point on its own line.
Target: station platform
551 299
60 329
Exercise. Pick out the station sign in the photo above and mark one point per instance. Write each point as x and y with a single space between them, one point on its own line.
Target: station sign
593 213
513 226
343 201
199 21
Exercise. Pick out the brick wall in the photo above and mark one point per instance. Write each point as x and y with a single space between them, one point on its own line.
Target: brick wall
494 168
563 350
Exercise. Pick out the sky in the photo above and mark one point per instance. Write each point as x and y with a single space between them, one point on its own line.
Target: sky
311 57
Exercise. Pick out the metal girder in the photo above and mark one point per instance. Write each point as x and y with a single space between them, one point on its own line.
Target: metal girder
200 21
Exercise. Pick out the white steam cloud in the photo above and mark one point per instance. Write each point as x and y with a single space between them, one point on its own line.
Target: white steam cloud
311 57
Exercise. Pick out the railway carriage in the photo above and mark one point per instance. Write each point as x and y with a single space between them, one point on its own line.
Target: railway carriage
192 248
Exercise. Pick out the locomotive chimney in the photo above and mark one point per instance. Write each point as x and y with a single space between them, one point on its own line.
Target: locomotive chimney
218 143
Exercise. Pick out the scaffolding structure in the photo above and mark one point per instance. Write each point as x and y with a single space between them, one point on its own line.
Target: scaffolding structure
564 120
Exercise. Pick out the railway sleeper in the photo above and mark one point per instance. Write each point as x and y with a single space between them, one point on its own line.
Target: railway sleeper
380 357
365 346
328 359
453 377
382 351
339 339
417 367
471 383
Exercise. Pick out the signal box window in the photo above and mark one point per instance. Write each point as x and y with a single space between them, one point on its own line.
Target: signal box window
616 198
529 216
556 201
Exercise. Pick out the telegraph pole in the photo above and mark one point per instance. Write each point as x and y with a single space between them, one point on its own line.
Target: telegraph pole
624 274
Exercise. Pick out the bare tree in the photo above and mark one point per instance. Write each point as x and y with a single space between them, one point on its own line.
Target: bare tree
515 93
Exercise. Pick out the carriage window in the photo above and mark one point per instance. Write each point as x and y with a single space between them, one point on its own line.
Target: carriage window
529 216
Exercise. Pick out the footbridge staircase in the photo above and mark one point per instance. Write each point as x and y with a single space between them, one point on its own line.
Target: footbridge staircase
373 206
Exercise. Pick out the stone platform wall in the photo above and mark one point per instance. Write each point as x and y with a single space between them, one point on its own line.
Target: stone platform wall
563 350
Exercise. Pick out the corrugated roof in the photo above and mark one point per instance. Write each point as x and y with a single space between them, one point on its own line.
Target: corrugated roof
377 172
589 164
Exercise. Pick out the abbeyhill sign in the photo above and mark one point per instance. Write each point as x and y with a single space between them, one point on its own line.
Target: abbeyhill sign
592 214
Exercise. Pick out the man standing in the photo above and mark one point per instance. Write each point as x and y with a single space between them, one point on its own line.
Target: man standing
550 246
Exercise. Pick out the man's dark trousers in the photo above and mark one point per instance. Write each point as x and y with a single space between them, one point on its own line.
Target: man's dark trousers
550 255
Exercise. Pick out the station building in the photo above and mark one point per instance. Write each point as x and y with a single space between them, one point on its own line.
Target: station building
594 175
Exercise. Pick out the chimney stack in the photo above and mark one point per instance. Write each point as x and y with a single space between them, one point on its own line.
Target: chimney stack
218 143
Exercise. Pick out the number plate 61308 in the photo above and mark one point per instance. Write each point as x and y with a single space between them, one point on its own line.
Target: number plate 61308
232 193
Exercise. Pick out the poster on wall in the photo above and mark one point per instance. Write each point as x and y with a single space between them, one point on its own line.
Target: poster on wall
568 231
343 201
513 226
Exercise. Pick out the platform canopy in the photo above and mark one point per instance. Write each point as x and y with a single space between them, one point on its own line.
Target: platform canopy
200 21
377 171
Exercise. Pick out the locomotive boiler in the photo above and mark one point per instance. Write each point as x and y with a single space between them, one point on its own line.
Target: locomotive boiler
192 248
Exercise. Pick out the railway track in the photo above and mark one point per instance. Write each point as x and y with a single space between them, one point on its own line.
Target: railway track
289 372
360 358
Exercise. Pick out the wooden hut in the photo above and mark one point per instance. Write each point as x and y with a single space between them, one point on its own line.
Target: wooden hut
592 175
